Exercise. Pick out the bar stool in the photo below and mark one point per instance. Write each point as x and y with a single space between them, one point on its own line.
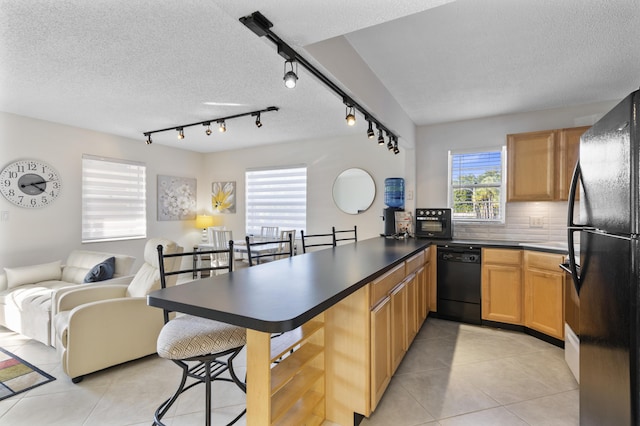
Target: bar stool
188 338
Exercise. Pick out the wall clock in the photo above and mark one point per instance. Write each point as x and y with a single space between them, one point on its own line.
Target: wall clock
30 183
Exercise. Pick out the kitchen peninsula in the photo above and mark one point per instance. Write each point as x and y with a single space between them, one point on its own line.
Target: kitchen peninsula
342 309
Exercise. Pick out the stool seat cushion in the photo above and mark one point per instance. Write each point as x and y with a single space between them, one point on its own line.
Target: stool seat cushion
187 336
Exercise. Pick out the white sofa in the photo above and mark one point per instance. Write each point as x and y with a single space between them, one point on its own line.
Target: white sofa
26 292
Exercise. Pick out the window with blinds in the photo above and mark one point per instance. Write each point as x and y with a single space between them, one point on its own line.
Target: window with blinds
113 199
477 185
276 197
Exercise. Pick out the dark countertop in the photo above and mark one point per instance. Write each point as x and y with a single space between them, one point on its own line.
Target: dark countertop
545 246
280 296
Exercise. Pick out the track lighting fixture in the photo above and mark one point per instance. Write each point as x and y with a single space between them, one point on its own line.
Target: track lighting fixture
261 27
395 147
370 133
389 144
222 127
380 137
290 77
351 116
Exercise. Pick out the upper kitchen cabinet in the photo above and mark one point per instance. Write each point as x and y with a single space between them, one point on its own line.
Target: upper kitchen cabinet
540 164
569 153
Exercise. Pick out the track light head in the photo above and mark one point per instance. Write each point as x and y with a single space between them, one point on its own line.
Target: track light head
222 127
370 133
389 144
208 131
380 137
180 133
290 77
351 116
395 146
148 141
258 122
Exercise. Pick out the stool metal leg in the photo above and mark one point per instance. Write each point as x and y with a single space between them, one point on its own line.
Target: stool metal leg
203 372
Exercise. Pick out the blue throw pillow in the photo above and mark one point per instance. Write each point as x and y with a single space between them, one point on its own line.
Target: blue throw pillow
102 271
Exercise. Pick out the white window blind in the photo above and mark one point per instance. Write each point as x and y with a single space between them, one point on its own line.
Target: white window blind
113 199
477 185
276 197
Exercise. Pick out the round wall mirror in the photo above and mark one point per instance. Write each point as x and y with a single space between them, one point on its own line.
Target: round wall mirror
354 191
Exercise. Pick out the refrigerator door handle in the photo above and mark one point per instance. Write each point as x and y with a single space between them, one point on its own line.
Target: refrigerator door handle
572 227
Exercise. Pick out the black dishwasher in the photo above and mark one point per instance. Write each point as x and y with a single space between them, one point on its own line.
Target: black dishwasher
459 273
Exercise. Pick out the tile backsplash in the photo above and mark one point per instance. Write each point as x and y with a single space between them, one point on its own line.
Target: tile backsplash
525 222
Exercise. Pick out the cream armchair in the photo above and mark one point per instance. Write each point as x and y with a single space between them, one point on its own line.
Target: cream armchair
98 326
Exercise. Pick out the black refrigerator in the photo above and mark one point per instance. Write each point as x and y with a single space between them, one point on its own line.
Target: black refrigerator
607 278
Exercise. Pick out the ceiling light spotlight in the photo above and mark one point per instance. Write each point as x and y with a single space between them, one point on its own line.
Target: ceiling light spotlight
180 133
148 141
290 77
222 127
351 116
380 137
258 122
370 133
395 147
389 144
208 131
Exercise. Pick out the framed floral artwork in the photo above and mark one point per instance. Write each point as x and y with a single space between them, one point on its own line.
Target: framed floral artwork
223 197
176 198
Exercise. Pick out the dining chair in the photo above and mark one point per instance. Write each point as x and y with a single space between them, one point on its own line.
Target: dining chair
283 236
269 232
325 240
345 235
204 349
274 249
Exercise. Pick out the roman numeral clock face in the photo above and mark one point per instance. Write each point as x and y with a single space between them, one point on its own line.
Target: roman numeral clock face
30 183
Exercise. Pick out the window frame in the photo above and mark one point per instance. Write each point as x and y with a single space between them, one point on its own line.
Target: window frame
253 227
502 186
134 197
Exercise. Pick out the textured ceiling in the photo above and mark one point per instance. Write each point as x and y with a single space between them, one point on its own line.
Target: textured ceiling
125 67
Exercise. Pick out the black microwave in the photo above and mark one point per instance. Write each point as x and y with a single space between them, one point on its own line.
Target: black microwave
434 224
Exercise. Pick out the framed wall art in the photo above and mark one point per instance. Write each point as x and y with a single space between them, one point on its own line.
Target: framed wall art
176 198
223 197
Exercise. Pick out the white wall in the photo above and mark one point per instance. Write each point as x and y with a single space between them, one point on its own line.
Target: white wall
325 160
40 235
433 143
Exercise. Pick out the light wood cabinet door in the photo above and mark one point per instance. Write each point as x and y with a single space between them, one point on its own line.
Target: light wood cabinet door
380 350
502 288
398 324
502 293
544 293
423 295
568 155
412 326
531 166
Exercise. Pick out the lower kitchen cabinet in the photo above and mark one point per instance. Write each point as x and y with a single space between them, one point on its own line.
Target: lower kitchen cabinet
544 293
399 324
502 292
380 349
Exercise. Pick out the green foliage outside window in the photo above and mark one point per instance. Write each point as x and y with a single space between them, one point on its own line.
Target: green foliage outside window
476 185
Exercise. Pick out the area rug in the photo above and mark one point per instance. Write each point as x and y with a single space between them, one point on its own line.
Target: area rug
17 375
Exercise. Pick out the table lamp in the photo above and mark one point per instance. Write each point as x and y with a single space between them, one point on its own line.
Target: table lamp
203 221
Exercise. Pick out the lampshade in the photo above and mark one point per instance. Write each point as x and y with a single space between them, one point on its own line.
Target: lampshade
204 221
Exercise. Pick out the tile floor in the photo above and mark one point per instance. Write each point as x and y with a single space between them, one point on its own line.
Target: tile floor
453 374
